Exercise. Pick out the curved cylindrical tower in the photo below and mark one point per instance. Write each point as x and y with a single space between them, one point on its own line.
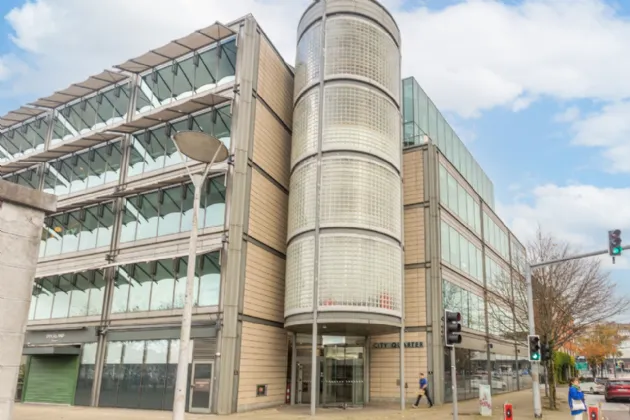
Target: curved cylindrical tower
344 256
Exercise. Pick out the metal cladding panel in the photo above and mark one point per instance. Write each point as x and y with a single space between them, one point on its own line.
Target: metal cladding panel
345 199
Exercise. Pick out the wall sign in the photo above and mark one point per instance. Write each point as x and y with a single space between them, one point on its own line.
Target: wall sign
70 336
395 345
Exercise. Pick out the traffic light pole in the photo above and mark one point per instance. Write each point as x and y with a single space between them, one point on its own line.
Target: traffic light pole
454 382
530 315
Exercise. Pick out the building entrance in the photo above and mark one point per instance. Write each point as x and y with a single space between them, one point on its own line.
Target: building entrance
341 371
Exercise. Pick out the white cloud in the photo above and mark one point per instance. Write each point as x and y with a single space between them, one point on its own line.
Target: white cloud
469 57
570 114
608 130
579 214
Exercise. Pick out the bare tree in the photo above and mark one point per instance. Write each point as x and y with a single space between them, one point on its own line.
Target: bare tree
568 298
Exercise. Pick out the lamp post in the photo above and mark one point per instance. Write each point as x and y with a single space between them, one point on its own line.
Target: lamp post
207 149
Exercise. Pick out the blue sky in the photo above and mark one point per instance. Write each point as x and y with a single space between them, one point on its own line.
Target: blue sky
538 89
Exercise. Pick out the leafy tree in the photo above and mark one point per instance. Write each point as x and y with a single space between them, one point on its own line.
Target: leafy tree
598 343
569 298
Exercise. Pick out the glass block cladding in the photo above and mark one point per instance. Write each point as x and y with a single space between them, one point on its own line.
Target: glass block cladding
345 208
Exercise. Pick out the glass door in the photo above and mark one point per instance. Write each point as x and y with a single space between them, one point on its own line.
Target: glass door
343 376
201 387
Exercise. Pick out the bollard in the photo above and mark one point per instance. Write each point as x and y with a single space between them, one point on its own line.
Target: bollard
593 412
508 412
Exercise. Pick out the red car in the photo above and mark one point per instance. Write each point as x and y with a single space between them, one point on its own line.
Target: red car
617 389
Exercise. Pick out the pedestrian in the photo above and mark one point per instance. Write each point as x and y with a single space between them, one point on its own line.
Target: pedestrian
577 403
424 390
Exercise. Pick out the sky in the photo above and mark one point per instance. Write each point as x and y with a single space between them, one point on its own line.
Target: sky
538 89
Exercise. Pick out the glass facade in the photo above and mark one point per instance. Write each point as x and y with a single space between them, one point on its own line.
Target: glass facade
78 230
85 380
497 277
28 178
24 139
422 118
161 285
68 295
87 169
457 199
495 236
153 149
139 374
169 211
469 304
91 113
460 252
195 73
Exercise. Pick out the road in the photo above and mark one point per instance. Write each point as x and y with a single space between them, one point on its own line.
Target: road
610 411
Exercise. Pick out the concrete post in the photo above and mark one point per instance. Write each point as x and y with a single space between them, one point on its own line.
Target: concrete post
22 212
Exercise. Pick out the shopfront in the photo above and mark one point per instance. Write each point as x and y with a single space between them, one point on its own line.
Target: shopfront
58 366
341 366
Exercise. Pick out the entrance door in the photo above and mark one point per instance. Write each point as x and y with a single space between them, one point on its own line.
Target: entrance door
343 376
201 387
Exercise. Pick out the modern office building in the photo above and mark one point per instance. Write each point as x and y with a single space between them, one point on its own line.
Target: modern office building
320 225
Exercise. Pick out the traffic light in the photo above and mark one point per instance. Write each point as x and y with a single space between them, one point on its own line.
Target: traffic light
452 328
533 345
614 242
545 352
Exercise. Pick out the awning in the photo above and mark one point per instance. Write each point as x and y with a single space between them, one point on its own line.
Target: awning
77 90
52 350
177 48
170 112
19 115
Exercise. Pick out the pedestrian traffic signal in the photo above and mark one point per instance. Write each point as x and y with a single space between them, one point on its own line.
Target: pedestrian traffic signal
452 328
614 242
533 344
545 352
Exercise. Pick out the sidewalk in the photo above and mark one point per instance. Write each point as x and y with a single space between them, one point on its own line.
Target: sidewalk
521 401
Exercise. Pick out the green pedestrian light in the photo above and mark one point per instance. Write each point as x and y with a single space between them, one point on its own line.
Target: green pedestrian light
533 347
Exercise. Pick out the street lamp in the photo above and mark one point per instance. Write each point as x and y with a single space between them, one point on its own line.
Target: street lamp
207 149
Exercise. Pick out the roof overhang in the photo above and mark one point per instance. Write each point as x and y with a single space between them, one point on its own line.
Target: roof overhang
77 90
177 48
19 115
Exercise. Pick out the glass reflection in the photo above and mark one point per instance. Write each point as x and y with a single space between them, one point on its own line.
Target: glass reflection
161 285
85 380
28 178
24 139
459 252
470 305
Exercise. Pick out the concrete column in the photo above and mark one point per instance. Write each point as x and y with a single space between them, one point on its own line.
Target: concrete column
22 212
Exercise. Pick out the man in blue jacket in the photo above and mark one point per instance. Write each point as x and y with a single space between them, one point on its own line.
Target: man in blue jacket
577 403
424 390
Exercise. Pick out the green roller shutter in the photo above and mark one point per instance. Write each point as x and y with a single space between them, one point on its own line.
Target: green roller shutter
52 379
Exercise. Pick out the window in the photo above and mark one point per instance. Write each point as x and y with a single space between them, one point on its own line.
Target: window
29 178
92 113
78 230
457 199
91 168
23 139
496 236
83 393
154 150
459 252
161 285
68 295
169 211
194 74
470 305
497 277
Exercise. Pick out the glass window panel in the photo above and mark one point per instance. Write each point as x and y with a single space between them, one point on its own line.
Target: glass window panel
31 309
106 220
44 304
70 230
210 279
54 233
454 247
121 290
96 293
129 220
157 352
114 352
422 103
80 169
440 130
472 259
227 61
80 296
207 69
470 211
140 292
433 116
184 78
214 203
445 239
463 255
443 185
148 215
180 285
408 100
452 193
170 211
187 198
61 303
136 158
89 229
163 288
222 125
461 203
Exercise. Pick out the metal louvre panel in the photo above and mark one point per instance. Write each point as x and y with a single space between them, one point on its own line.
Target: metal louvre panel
298 297
362 119
360 194
307 65
357 47
302 199
359 273
204 348
304 140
